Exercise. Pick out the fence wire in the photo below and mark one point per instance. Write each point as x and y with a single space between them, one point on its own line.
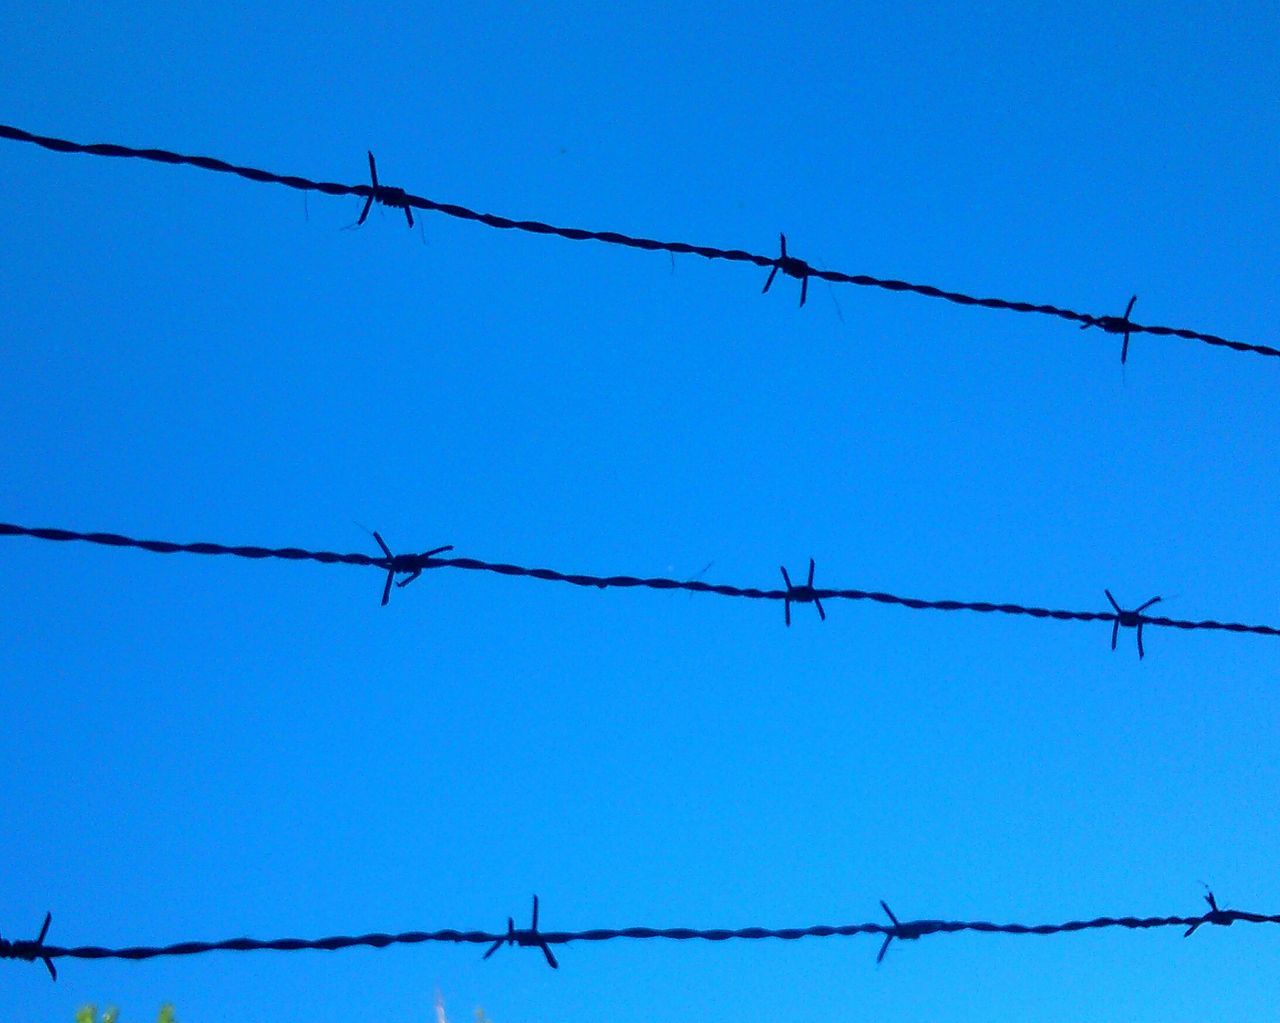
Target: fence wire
402 569
789 265
33 950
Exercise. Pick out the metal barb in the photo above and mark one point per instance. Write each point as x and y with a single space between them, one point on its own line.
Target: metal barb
1221 917
525 939
1129 620
384 194
792 267
904 932
805 594
30 951
404 564
1115 325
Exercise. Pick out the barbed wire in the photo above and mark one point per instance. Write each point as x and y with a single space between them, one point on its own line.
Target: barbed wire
532 937
789 265
403 569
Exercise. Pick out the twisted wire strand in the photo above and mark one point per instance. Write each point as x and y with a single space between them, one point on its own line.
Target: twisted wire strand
533 937
797 268
413 564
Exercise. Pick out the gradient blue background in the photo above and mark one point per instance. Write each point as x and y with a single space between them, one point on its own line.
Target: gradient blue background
203 748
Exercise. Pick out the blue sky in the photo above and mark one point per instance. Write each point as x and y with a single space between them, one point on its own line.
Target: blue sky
203 748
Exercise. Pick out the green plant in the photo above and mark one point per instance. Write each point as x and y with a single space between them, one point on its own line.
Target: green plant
89 1014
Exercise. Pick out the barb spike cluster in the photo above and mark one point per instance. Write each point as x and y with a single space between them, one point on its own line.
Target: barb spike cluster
1220 917
1116 325
385 195
1130 620
805 594
407 564
792 267
525 939
901 931
29 951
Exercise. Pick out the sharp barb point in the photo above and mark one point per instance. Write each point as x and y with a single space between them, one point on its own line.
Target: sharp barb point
805 594
1130 620
790 266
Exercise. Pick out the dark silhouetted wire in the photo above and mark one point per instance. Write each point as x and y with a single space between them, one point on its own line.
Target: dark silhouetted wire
532 937
413 565
787 264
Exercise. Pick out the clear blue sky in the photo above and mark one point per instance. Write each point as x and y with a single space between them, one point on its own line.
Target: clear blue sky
203 748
